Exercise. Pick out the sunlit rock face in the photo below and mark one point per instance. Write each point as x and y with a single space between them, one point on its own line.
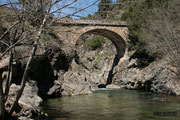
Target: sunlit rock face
89 69
158 77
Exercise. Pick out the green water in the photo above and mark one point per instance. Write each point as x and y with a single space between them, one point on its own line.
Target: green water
114 105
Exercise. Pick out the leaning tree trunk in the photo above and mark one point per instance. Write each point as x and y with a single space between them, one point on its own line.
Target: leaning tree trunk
25 75
2 108
9 76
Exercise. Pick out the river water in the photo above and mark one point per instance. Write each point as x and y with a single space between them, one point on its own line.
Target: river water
114 105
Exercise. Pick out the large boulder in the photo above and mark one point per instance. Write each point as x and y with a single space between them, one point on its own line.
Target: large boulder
30 93
77 81
28 103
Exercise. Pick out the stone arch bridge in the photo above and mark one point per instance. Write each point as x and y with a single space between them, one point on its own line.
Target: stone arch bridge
70 30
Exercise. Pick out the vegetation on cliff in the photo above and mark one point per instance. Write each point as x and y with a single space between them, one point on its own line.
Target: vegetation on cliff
153 26
94 43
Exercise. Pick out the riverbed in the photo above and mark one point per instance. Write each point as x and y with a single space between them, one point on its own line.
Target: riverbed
114 105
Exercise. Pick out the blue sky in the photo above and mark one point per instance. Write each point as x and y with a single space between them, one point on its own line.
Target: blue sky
90 10
79 4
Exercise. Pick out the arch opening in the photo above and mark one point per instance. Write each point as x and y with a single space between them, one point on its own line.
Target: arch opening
119 44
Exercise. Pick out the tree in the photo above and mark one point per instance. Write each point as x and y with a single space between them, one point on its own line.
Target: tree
153 29
161 32
102 13
30 20
103 7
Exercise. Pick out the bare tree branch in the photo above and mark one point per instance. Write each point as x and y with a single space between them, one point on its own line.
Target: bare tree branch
9 29
13 45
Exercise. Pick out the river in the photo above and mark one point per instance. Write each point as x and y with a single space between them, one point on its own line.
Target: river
114 105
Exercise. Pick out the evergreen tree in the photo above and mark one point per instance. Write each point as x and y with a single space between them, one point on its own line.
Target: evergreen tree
103 6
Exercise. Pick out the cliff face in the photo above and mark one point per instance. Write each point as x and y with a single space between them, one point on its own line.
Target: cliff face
59 69
89 70
158 77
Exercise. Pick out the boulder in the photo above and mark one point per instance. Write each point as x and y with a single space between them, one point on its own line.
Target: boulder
133 63
55 90
4 63
112 86
76 81
30 93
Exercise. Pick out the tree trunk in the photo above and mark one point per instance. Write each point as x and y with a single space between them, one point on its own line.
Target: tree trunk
25 76
2 109
9 75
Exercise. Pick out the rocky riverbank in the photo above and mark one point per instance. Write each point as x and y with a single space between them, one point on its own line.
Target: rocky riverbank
60 69
158 77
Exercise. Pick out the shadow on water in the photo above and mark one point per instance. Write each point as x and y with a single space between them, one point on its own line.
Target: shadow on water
114 105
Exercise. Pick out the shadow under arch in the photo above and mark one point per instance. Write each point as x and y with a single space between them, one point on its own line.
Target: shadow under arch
119 43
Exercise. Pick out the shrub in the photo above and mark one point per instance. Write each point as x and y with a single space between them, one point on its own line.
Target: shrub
94 43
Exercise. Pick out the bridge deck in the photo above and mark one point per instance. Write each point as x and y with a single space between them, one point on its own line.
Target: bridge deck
79 22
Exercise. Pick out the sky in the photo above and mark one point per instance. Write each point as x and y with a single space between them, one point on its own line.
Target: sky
81 4
90 10
78 5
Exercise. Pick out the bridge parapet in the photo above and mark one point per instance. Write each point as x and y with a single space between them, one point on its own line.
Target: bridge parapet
66 21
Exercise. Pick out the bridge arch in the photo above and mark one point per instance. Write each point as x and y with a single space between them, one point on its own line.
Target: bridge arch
116 39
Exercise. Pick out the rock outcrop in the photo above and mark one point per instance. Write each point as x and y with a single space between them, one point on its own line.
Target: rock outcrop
88 70
77 81
158 77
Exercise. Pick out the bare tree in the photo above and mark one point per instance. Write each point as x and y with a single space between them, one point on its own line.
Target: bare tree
38 13
162 32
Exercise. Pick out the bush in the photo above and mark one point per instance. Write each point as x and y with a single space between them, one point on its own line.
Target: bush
95 43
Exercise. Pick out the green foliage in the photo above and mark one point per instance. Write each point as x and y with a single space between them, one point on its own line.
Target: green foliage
102 11
94 43
103 6
136 17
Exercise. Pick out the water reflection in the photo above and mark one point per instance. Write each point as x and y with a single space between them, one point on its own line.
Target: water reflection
113 105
